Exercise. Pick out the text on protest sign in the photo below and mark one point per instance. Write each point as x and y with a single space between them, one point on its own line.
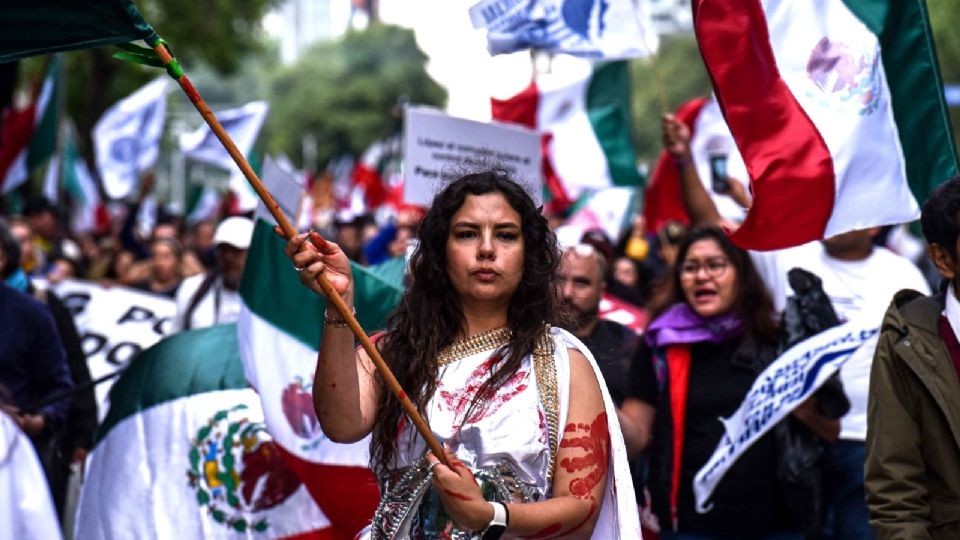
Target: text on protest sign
780 388
437 148
115 324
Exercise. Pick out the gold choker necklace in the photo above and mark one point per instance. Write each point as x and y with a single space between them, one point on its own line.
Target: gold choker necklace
491 339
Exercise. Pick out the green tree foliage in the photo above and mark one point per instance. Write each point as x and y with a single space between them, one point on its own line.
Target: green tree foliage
676 74
346 93
944 18
217 33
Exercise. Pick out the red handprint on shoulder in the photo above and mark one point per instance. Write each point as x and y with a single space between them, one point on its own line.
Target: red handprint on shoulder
594 440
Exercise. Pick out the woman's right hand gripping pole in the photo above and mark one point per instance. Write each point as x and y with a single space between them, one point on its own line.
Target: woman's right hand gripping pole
345 390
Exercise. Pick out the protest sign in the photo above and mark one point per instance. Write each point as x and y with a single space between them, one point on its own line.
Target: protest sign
115 324
437 148
780 388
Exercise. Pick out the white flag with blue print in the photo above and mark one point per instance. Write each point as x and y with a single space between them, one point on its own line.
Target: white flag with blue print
242 124
786 383
611 29
127 138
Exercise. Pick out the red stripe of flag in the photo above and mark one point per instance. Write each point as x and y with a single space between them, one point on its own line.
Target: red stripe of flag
519 109
321 534
790 166
16 128
348 496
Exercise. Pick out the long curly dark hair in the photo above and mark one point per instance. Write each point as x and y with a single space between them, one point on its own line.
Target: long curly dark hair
753 303
430 316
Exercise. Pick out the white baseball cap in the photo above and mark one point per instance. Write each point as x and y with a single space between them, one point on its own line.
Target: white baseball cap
235 231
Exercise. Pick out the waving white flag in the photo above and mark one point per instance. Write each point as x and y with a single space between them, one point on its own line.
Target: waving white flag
242 124
127 138
588 28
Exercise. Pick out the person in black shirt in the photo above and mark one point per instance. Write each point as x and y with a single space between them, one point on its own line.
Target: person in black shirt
712 335
582 280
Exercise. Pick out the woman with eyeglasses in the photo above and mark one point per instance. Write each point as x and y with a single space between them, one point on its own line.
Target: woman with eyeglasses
712 333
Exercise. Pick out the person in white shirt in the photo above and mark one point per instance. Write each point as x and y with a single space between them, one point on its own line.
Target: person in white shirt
860 279
26 508
214 298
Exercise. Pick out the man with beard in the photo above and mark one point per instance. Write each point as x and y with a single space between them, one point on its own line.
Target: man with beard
582 279
214 298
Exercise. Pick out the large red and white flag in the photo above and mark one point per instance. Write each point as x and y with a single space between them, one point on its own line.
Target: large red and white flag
836 107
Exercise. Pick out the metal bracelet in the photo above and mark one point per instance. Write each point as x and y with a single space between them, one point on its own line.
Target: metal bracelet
336 322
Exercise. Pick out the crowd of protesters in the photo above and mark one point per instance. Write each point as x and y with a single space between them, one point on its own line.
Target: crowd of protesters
722 302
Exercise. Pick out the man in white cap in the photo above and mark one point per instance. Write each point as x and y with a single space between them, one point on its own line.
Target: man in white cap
214 298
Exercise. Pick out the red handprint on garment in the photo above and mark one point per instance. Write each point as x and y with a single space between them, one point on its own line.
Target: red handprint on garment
459 399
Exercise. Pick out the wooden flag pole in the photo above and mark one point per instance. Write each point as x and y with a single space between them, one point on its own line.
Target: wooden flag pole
289 232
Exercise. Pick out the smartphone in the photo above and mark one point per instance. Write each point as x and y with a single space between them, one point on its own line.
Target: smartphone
719 181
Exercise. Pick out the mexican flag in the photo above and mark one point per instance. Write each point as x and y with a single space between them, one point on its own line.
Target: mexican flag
583 111
28 136
184 453
279 331
837 108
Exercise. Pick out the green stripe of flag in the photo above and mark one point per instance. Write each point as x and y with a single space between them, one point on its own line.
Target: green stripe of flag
916 88
35 27
44 141
271 288
608 108
185 364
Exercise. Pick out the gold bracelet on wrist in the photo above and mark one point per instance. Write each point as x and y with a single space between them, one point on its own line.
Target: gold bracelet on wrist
336 322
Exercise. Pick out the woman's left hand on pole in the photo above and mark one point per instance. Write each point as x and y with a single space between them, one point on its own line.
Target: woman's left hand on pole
460 493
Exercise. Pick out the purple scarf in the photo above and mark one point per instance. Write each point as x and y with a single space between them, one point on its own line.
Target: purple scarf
679 324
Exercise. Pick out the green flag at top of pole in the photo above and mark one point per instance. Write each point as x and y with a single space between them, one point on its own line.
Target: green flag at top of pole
35 27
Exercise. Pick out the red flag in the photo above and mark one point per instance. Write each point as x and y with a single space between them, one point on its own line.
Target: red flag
16 128
663 201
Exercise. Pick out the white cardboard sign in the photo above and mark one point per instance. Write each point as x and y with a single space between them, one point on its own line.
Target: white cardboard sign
438 148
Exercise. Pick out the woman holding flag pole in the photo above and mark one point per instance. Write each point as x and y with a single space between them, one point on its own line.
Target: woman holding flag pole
528 429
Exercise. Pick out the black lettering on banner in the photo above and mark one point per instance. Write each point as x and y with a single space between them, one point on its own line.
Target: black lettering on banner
76 302
92 343
121 353
136 314
162 326
418 170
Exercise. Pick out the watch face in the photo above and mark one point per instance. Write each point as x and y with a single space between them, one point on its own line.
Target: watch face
493 532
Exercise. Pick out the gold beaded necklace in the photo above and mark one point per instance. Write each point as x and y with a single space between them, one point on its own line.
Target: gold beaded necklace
458 350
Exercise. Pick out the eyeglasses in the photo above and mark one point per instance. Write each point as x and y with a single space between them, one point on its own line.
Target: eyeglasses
715 267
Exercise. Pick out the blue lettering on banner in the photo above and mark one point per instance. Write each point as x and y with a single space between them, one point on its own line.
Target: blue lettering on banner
777 390
556 26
